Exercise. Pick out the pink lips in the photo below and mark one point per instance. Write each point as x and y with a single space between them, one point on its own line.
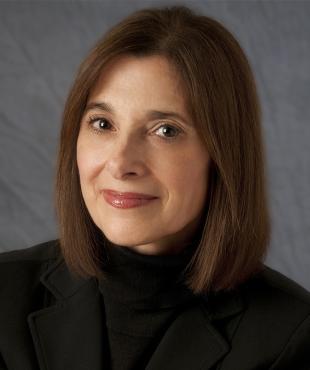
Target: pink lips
127 199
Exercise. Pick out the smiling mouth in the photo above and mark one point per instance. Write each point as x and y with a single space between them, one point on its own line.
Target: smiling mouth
127 195
125 202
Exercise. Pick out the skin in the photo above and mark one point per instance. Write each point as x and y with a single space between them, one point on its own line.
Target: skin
131 152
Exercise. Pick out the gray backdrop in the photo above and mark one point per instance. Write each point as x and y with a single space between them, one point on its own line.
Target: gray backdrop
41 46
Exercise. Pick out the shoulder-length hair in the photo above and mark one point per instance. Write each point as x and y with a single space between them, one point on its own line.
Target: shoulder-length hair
223 102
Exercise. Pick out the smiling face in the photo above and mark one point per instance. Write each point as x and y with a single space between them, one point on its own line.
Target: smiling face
125 145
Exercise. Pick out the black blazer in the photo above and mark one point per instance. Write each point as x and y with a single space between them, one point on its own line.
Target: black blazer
50 321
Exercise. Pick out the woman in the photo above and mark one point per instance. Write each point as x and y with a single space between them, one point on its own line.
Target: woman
163 217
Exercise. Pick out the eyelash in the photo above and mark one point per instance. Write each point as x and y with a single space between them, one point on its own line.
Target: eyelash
92 119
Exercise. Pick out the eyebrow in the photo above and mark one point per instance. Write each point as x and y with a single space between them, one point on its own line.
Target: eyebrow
151 114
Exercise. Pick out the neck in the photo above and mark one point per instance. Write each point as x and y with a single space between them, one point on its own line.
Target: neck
142 281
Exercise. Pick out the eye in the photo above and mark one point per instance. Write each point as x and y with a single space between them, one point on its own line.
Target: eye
98 124
169 131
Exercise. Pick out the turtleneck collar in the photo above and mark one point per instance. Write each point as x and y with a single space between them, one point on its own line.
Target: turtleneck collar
144 281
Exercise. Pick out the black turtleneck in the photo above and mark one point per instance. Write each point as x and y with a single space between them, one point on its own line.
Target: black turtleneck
142 295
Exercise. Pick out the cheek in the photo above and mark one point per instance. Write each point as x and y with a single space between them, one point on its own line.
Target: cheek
190 185
83 162
187 173
87 160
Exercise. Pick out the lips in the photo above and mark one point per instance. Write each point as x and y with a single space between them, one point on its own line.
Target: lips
126 200
127 195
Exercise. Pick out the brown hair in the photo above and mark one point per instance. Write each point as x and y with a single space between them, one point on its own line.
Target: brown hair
223 102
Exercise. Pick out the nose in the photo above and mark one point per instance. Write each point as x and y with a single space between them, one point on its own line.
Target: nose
125 159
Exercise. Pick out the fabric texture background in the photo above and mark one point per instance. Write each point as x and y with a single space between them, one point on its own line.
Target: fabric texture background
42 44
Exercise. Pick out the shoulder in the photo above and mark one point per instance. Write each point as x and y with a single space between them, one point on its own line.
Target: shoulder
277 302
266 295
37 253
266 320
20 270
276 319
278 292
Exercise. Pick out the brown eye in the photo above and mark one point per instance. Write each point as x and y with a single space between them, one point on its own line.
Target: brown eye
169 131
98 124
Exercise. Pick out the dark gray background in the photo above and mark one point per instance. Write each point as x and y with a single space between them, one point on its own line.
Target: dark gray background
41 46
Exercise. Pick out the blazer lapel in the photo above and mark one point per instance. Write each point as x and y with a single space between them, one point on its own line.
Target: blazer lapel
69 334
193 340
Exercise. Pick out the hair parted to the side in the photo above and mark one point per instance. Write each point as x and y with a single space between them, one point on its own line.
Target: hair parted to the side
223 102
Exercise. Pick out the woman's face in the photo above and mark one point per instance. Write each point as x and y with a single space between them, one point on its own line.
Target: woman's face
124 145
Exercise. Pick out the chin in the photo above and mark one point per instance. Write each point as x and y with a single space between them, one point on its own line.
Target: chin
124 240
140 245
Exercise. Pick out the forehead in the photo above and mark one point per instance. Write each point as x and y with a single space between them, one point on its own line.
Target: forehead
152 74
